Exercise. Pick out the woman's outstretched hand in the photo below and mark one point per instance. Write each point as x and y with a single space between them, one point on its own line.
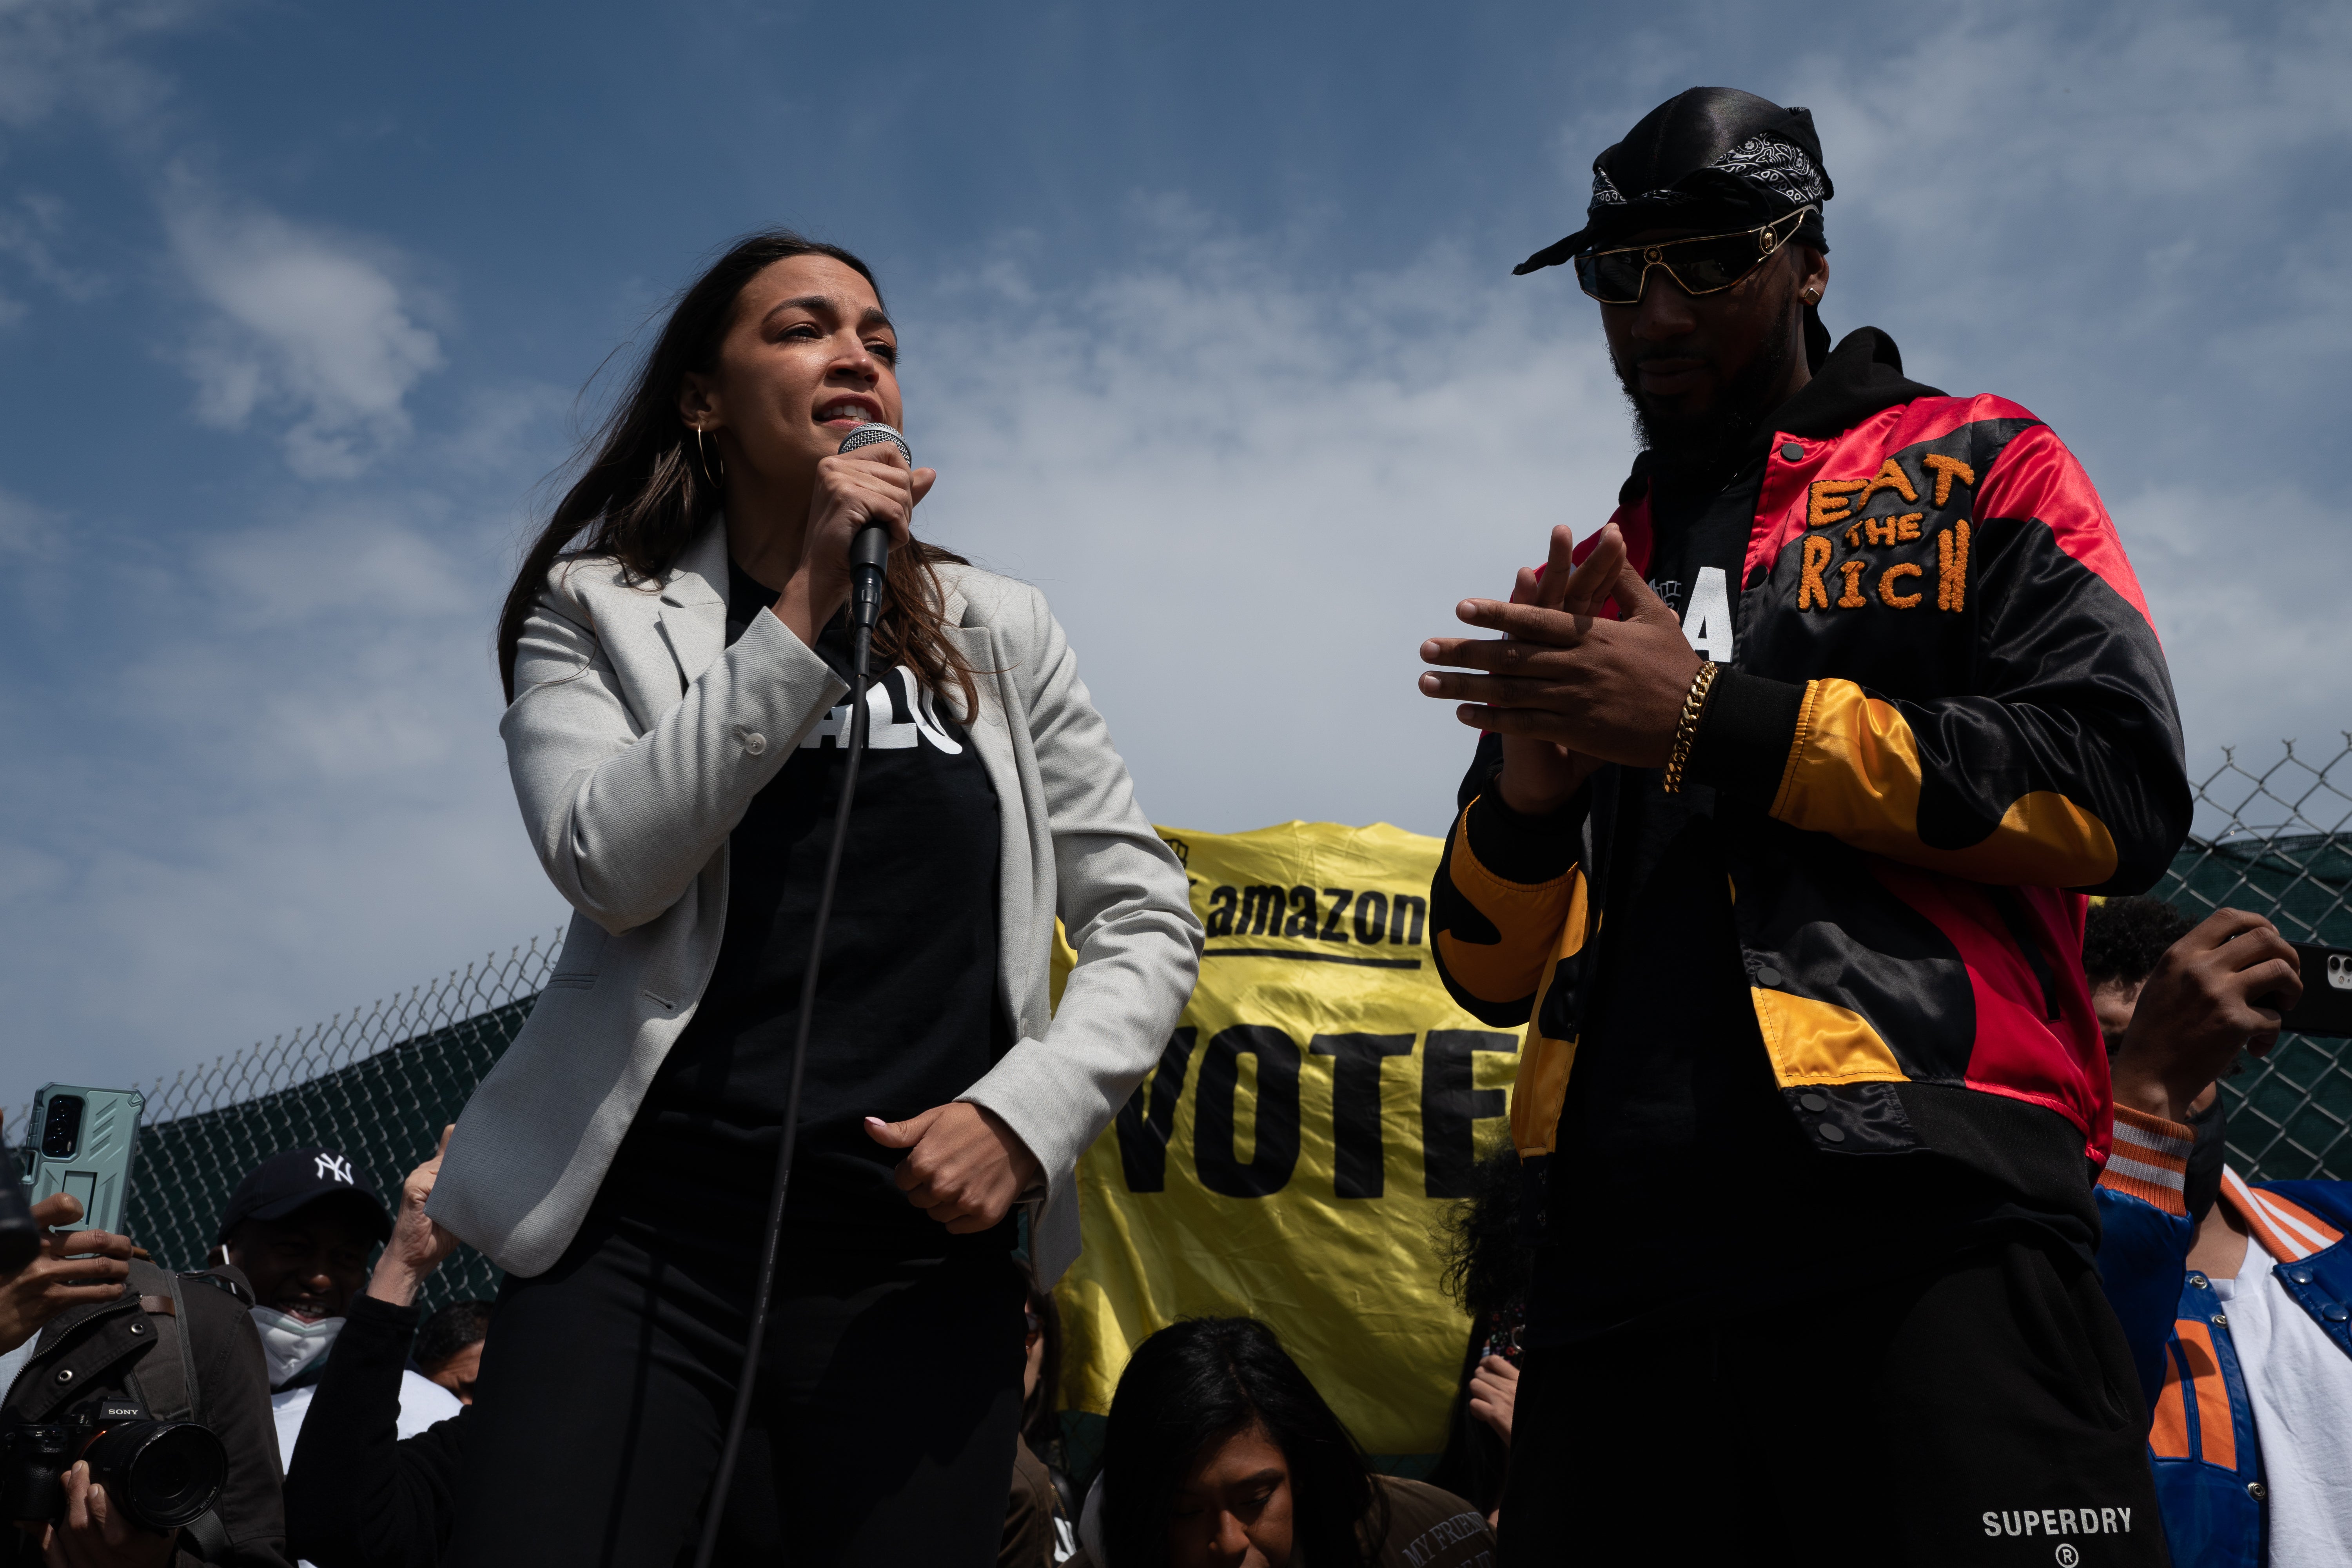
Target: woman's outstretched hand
964 1166
870 484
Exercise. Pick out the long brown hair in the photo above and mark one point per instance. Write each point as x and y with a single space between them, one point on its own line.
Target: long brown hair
645 495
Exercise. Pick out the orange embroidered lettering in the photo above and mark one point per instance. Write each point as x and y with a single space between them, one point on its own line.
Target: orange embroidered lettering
1812 594
1851 598
1946 470
1830 500
1887 593
1907 527
1891 476
1952 568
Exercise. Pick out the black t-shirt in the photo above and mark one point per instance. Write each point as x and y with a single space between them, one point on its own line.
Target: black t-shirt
1673 1065
907 1010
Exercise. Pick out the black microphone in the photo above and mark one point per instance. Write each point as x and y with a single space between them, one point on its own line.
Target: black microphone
870 552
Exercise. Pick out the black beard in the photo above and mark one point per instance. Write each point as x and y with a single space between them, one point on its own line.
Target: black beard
1700 454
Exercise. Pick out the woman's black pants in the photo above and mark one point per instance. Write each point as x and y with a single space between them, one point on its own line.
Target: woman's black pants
883 1429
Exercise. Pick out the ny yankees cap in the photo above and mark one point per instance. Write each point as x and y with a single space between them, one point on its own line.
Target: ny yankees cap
296 1179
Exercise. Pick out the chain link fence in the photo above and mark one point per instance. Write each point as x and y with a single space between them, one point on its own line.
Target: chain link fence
2272 838
377 1084
380 1084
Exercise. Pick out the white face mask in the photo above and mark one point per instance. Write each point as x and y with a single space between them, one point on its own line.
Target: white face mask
290 1343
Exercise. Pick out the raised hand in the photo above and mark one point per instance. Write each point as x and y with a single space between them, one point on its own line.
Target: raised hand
419 1242
870 484
70 1271
1494 1393
2215 992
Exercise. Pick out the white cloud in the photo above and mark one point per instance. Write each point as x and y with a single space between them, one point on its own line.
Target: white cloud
1251 496
1251 489
27 530
308 330
55 53
285 791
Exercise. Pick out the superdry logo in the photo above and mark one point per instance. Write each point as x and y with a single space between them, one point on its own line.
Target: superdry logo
2055 1521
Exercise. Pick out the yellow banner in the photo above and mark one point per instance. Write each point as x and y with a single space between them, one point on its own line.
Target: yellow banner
1295 1152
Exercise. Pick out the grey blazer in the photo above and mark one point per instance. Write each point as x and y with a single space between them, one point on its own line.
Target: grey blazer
636 740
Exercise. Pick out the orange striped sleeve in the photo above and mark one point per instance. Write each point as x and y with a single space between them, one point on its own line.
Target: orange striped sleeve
1854 772
2150 1161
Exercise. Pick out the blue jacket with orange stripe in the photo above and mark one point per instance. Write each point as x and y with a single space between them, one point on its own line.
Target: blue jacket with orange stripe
2202 1443
1946 717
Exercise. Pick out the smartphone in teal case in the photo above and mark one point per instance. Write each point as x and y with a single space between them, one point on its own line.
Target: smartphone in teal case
82 1142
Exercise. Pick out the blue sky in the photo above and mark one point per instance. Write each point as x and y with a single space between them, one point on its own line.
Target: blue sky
1209 331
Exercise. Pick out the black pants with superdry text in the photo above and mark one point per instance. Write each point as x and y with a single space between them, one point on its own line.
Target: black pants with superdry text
883 1431
1981 1412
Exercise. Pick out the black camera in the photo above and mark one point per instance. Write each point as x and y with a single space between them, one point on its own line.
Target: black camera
160 1474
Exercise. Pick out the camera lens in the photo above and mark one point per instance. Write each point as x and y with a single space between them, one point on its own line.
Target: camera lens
61 1133
163 1474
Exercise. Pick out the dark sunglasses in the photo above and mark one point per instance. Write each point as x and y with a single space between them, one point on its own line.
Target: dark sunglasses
1705 265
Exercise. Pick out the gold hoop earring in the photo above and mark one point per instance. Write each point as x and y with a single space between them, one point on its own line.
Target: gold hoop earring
713 475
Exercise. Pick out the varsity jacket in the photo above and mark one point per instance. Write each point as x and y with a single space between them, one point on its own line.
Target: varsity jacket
1944 718
2202 1444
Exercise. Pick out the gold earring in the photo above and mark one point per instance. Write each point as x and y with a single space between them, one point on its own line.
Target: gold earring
714 475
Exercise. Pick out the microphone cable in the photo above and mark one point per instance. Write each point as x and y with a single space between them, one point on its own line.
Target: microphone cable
869 554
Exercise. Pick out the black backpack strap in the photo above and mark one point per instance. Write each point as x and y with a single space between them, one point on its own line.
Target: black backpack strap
194 1387
206 1536
165 1374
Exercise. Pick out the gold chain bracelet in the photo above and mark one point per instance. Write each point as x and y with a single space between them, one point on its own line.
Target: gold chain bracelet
1687 727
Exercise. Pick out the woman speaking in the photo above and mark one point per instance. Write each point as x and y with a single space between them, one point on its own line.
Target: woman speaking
674 648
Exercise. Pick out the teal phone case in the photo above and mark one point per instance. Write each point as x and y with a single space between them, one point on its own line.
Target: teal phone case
93 1156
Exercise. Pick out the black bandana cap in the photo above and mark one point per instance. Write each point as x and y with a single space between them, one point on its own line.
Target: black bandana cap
1714 159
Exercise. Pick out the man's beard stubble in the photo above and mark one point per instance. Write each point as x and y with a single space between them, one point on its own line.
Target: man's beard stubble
1702 452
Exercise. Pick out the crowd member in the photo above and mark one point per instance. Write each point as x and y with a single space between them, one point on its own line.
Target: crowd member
1853 699
449 1346
100 1324
2233 1292
2123 942
300 1227
1219 1452
1489 1254
674 648
1037 1528
362 1492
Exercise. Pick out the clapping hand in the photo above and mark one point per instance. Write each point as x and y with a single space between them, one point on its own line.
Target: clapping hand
1567 689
